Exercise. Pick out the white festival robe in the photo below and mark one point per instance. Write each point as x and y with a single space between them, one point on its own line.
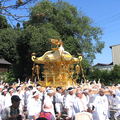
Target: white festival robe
69 104
28 96
8 100
86 101
3 101
1 105
21 101
101 108
33 108
78 106
117 99
48 98
59 102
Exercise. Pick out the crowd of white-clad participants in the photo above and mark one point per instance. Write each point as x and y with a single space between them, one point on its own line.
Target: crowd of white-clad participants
78 104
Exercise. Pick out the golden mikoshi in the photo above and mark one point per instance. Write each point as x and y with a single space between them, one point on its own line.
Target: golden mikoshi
58 66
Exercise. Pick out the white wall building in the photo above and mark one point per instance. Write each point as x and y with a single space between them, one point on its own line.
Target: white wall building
116 59
103 66
116 54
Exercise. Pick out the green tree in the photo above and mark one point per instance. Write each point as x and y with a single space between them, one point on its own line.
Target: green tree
95 74
58 20
3 22
75 29
8 9
34 39
8 40
10 76
115 74
105 77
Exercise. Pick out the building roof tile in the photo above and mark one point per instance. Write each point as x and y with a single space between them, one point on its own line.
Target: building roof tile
3 61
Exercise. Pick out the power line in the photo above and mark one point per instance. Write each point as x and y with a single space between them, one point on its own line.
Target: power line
112 25
107 13
109 18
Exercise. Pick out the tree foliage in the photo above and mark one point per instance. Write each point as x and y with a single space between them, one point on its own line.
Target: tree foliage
10 76
6 8
58 20
3 22
115 74
106 76
76 30
8 40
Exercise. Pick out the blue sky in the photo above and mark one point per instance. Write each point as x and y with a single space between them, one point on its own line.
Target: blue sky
105 14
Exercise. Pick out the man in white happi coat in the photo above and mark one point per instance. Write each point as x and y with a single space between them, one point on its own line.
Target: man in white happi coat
22 93
45 92
78 104
40 93
33 106
112 97
3 97
100 106
18 92
49 98
59 102
1 101
8 97
28 94
69 102
86 99
117 99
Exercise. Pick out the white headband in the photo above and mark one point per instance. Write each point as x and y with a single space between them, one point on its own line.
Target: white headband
78 92
70 90
38 86
18 88
35 93
85 91
4 90
11 89
50 91
47 88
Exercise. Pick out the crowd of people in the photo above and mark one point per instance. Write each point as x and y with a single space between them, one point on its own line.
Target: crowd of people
25 101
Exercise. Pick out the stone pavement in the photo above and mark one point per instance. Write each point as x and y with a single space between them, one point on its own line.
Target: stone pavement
112 112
